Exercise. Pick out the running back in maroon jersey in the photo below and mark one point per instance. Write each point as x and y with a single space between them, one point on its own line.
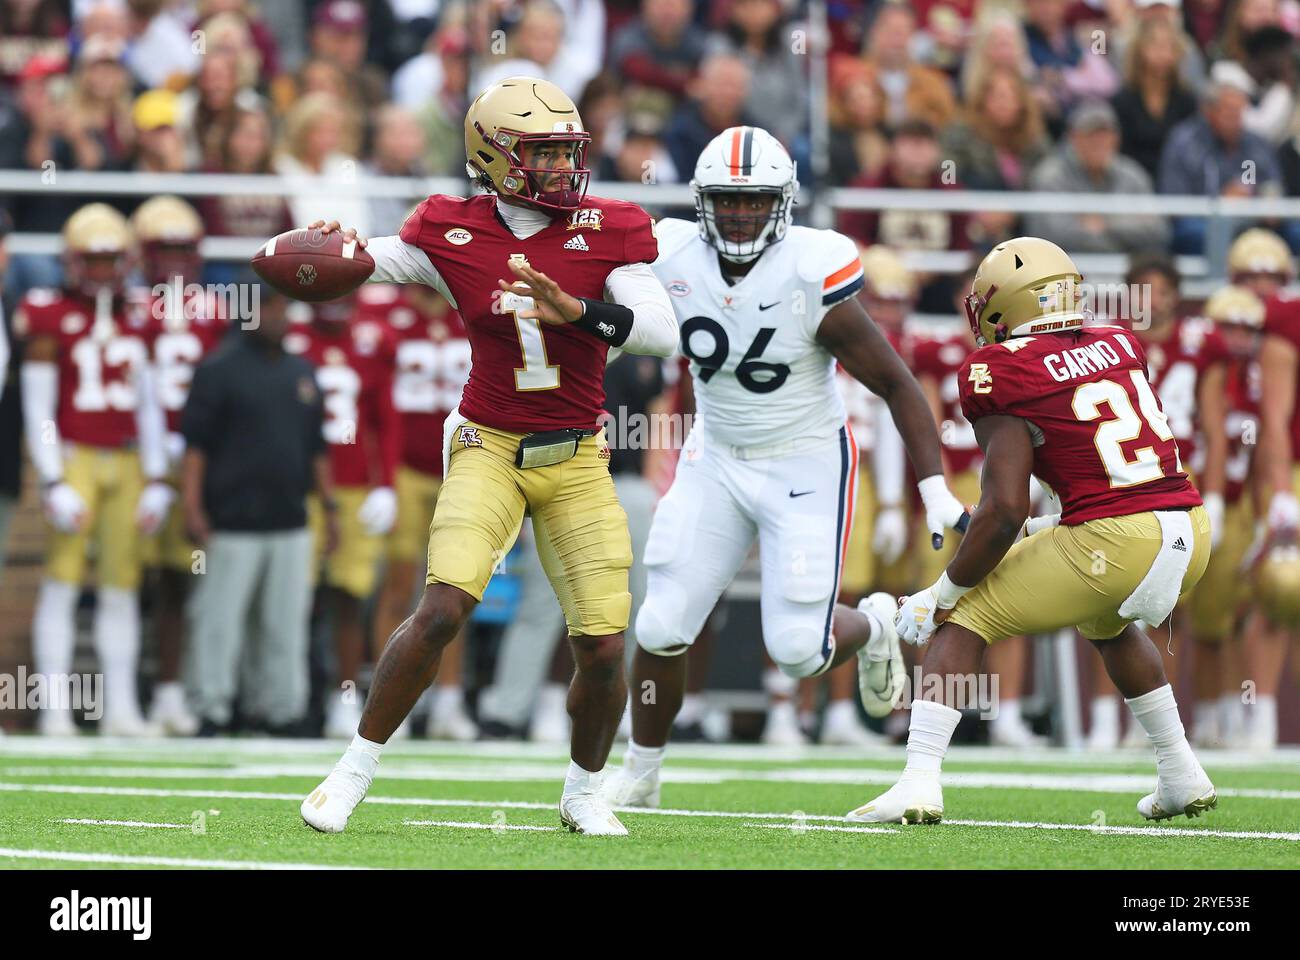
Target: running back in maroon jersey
179 342
99 363
1282 319
1101 441
432 365
354 367
1175 366
527 375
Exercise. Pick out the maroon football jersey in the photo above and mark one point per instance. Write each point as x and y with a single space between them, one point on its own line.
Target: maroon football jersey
1282 319
100 362
1175 365
528 375
179 342
1244 394
940 360
433 358
354 371
1101 440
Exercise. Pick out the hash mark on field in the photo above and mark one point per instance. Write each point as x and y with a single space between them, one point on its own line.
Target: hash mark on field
125 823
1131 831
473 825
70 856
800 827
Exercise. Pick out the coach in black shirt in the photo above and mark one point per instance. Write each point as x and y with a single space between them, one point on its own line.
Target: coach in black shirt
254 449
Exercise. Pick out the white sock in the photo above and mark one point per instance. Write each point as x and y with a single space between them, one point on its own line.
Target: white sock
1008 714
1232 715
117 643
448 701
54 636
580 780
1263 720
692 710
362 755
1105 715
1205 717
641 759
553 698
1158 713
777 684
782 711
928 738
840 713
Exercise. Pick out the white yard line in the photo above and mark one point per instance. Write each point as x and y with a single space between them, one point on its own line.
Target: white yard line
542 773
473 825
801 827
70 856
800 817
125 823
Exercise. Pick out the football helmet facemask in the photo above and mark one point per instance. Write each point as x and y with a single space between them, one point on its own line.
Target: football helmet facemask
744 160
1259 251
520 112
96 250
169 232
1024 286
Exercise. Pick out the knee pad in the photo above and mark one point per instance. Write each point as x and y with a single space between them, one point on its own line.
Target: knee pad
797 649
658 624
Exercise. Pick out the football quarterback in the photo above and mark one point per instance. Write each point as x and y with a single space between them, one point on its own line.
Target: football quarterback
766 309
1071 405
547 280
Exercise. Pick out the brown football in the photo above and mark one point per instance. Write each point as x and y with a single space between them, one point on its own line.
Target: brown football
312 265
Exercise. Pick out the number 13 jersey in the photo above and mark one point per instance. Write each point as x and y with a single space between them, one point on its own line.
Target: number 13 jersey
760 375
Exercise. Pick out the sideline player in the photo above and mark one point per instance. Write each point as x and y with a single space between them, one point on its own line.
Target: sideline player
766 310
525 435
1072 406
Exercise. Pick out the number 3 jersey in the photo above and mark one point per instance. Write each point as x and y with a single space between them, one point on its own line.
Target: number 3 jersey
100 362
760 375
1101 440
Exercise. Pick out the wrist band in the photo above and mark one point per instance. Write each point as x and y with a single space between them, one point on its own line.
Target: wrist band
609 322
947 593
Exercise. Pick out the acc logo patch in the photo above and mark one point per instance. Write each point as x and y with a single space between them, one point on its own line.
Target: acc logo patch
588 219
679 288
469 437
458 236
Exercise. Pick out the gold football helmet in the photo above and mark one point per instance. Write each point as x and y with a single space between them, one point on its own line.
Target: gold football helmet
887 278
1259 251
1024 286
522 111
1237 306
96 249
1278 585
169 231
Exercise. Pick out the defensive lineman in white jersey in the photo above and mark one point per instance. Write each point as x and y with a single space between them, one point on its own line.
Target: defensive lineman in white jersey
765 310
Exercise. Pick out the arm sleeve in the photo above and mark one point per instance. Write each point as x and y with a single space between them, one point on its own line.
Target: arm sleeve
397 261
654 324
40 391
151 427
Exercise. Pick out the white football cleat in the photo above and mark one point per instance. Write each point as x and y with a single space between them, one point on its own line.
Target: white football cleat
842 729
1014 734
627 788
127 723
56 722
908 801
881 675
589 813
342 717
170 713
451 725
328 807
782 727
1191 796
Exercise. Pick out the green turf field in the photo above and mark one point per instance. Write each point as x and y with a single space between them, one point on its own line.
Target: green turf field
234 803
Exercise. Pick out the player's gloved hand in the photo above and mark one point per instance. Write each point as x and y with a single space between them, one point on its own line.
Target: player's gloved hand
890 537
921 613
1214 510
64 507
378 511
942 509
1283 511
1257 546
1034 524
155 503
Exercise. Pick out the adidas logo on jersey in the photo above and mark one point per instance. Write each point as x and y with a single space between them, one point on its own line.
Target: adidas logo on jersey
577 243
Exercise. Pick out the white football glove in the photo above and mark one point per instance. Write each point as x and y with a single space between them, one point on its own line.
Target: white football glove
64 507
915 618
1283 511
378 511
890 536
1214 510
155 503
942 509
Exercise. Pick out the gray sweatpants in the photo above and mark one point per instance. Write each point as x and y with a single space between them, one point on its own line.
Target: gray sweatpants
529 642
253 600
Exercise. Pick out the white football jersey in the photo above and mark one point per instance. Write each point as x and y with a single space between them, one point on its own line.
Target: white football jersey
760 376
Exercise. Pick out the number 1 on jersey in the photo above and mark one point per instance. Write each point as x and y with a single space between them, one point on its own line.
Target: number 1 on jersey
536 373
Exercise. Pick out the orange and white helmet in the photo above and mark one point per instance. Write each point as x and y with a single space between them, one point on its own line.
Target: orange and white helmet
744 160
